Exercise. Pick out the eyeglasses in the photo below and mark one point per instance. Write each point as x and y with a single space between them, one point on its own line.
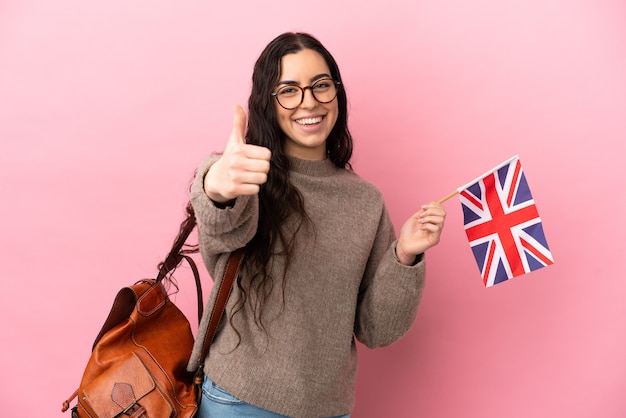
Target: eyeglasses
292 96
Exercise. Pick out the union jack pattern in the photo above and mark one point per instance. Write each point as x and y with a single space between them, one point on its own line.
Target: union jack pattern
502 224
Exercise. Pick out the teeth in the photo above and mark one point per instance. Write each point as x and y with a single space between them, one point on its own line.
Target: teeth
309 121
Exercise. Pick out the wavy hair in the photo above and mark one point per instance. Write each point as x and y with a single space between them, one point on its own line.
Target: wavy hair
278 198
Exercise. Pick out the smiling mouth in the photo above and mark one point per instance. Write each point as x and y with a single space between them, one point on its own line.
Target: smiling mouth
309 121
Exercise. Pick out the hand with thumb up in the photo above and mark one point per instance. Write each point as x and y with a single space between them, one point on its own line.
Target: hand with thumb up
242 168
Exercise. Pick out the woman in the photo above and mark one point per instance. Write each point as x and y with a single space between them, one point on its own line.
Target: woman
322 266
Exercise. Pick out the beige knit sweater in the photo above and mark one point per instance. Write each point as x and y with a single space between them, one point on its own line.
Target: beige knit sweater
344 282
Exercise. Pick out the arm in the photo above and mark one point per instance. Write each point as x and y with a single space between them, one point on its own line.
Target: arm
394 280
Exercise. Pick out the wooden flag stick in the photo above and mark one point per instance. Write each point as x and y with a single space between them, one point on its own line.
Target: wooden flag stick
451 195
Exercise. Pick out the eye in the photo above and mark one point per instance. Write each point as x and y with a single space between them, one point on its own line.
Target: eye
322 84
288 91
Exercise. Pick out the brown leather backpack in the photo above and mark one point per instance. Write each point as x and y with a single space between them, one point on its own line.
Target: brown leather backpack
138 364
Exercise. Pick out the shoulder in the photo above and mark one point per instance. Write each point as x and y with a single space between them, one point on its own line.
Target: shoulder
359 188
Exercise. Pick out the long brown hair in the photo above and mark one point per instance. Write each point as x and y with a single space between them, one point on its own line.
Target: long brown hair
278 198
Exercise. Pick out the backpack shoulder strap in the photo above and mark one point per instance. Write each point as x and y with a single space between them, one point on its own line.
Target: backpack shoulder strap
231 271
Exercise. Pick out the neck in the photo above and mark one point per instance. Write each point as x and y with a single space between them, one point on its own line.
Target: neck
302 153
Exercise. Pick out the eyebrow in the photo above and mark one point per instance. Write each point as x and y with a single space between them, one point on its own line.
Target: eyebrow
313 80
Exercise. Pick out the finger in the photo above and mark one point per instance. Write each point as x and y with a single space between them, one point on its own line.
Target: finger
250 189
258 152
431 227
247 189
248 158
260 165
431 219
438 207
432 209
252 178
238 133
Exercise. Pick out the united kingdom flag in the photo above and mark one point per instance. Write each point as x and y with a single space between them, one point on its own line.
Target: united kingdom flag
502 224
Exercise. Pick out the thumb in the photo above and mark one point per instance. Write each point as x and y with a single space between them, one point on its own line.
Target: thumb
238 134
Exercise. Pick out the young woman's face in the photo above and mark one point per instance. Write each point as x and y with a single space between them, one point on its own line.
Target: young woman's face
307 126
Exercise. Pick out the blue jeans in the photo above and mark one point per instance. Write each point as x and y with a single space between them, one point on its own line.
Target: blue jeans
216 402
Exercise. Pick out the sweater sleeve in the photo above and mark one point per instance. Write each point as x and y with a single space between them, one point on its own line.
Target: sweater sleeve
221 230
390 292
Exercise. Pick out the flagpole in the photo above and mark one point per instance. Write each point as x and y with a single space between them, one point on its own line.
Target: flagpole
457 191
450 196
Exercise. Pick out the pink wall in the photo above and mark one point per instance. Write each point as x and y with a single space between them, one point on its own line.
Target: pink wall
107 107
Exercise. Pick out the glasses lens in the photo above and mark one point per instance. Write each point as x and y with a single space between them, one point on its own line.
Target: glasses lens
289 96
324 90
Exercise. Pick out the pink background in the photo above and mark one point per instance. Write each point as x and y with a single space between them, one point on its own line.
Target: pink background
107 107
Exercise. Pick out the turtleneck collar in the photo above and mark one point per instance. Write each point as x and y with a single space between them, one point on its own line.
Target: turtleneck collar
315 168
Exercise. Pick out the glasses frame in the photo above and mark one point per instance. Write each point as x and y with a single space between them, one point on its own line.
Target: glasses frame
310 87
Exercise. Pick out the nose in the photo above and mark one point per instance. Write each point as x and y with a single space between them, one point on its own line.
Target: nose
308 100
